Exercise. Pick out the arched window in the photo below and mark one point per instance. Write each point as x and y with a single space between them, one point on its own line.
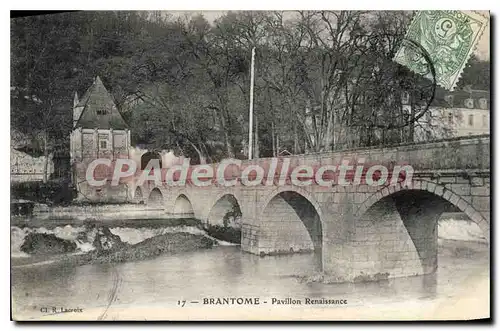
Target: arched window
469 103
449 100
148 156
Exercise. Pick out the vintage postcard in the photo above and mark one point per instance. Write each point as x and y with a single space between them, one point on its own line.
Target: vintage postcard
250 166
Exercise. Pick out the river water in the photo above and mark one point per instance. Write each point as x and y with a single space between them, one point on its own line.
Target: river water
225 271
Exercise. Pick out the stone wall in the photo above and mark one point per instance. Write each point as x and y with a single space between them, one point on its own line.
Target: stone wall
26 168
387 244
100 212
281 230
364 232
88 145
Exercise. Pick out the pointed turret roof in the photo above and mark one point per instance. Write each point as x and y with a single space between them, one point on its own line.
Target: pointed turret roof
99 109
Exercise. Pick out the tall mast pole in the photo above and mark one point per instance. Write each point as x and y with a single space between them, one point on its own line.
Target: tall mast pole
250 120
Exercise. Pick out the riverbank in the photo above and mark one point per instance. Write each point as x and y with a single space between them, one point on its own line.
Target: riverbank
76 214
147 288
131 232
94 243
155 223
149 248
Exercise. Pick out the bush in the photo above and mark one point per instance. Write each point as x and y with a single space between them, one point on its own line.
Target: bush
155 246
52 192
42 243
224 233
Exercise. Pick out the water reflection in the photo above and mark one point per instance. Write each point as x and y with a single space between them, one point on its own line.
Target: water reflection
226 271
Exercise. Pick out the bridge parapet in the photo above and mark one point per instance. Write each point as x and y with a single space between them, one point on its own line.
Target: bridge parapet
456 153
432 158
361 231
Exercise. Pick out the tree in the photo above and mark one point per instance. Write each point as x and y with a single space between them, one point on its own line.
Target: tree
476 74
43 71
324 80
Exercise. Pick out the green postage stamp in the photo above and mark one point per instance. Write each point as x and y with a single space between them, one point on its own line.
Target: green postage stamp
448 36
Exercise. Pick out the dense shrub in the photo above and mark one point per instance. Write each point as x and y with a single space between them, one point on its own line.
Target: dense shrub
224 233
42 244
52 192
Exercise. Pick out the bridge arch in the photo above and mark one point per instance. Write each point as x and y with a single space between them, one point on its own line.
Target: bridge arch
225 211
265 201
147 157
183 207
438 191
138 196
155 198
395 230
290 221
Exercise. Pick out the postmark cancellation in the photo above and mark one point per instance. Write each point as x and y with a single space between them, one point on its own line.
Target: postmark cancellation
449 37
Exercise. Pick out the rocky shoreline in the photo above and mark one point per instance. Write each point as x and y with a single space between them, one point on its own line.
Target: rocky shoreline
96 243
92 241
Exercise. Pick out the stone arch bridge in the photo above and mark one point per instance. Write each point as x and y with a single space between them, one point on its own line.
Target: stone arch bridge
360 231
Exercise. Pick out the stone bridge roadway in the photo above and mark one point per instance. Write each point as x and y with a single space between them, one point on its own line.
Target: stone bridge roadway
360 231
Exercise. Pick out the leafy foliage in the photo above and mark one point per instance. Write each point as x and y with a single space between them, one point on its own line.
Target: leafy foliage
324 79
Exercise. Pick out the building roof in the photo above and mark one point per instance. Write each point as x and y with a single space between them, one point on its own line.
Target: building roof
464 98
99 109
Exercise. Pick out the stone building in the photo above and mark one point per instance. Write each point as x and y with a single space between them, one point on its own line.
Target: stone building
99 131
27 165
27 162
460 113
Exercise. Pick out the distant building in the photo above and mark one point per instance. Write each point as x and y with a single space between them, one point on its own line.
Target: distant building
99 131
27 164
459 113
